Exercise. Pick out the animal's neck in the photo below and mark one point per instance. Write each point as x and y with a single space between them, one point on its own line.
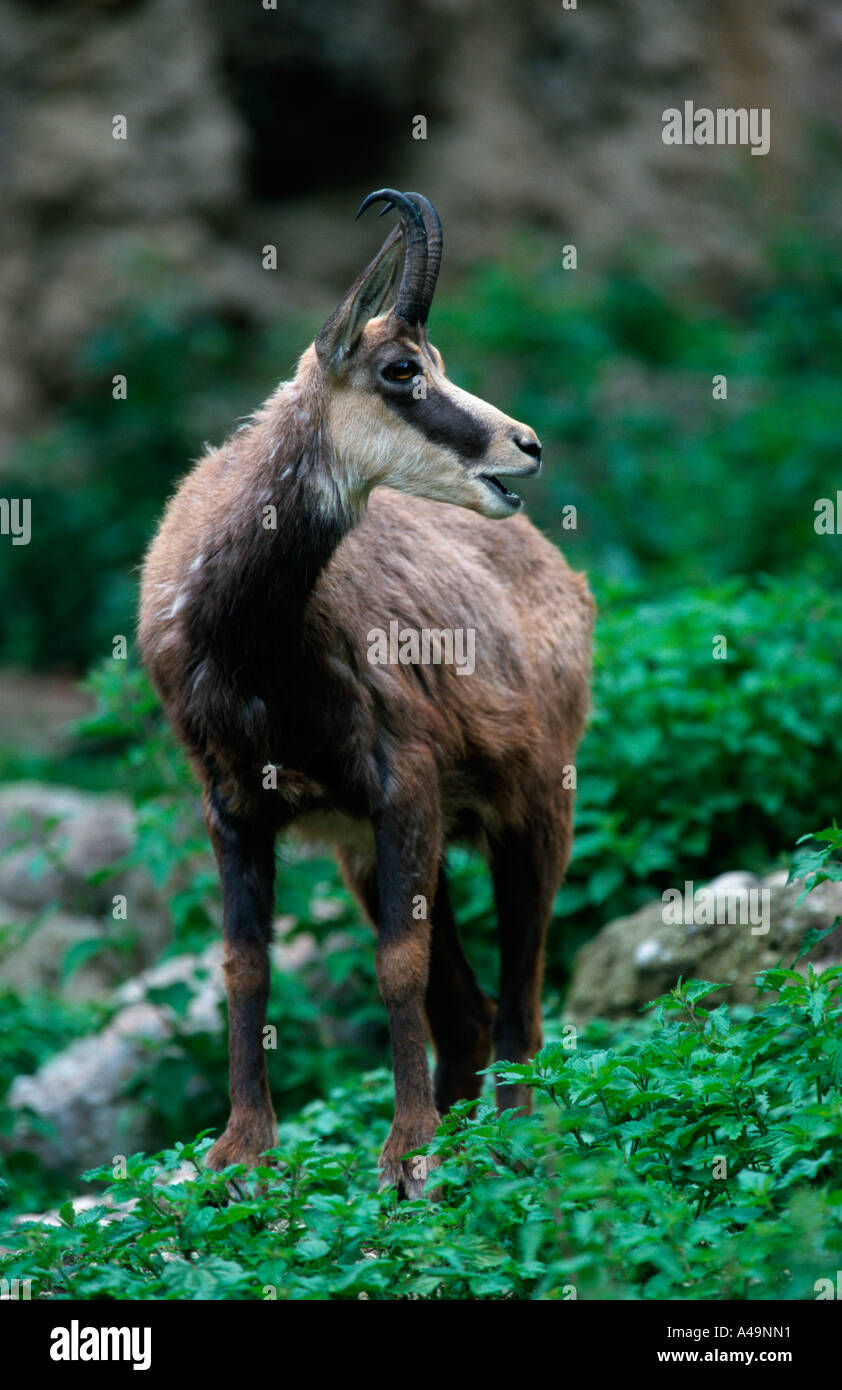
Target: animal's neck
296 502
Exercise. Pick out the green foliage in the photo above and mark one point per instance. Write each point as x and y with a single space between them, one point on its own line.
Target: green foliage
694 765
818 859
616 374
693 1155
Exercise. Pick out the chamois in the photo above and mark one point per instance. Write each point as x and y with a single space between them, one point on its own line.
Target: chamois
322 519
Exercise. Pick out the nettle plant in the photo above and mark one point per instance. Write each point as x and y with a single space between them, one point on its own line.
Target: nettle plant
691 1154
820 859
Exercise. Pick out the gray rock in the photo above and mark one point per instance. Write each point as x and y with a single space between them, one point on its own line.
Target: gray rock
634 959
32 955
79 1094
52 839
55 842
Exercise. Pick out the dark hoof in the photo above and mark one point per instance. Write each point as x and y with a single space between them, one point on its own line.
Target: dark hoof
408 1175
243 1143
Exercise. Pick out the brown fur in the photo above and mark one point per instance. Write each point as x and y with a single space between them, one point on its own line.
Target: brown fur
257 641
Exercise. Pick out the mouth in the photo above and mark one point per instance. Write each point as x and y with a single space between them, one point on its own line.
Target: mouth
494 486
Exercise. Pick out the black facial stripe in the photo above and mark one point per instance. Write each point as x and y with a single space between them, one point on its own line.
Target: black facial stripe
443 421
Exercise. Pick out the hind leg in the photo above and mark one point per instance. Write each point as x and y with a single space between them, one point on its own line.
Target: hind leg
459 1014
527 866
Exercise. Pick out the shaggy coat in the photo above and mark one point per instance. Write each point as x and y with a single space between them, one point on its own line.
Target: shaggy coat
331 515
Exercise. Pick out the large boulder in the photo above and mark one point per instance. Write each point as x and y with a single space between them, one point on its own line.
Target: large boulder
634 959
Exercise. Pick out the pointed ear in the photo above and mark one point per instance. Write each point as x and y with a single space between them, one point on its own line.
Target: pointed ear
364 300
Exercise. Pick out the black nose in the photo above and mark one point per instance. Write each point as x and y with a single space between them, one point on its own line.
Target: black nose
529 446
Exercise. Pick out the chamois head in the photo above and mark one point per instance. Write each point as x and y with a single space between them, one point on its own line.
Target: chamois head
392 414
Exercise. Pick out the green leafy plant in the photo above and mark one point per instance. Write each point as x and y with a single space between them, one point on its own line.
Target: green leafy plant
820 859
695 1154
693 765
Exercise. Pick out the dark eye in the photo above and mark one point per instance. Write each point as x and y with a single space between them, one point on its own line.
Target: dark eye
402 370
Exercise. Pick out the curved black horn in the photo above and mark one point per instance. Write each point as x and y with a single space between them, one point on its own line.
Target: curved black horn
434 245
412 303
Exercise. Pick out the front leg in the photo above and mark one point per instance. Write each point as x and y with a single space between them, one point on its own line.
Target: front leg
245 855
407 840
